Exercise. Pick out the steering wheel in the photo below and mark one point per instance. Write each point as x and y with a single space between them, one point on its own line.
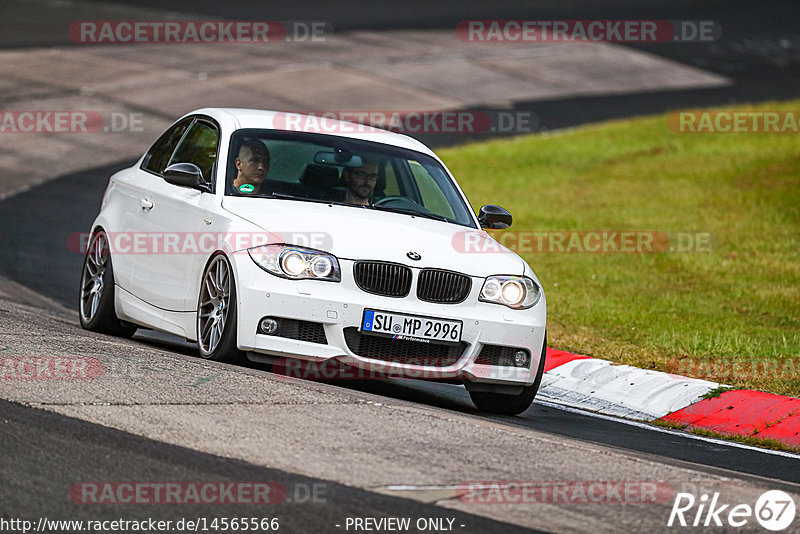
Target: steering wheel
396 199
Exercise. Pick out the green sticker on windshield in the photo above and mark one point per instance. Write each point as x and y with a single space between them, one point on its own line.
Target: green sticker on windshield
246 188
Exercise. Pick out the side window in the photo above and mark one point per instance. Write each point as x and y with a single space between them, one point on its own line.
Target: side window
199 146
159 154
392 187
432 196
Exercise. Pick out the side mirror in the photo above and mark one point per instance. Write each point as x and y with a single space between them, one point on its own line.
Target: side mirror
186 175
494 217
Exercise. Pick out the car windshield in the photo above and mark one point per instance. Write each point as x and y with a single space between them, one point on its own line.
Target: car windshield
324 168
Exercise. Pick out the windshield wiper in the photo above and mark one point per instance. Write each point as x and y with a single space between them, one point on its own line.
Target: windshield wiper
285 196
407 211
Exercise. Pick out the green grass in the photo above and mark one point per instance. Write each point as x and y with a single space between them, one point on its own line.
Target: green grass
734 308
716 392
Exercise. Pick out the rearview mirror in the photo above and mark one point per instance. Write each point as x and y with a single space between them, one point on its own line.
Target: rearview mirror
186 175
494 217
332 158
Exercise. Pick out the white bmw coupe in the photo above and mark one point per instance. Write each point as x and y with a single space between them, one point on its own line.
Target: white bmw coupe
306 241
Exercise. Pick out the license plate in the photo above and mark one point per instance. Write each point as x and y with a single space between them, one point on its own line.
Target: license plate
411 327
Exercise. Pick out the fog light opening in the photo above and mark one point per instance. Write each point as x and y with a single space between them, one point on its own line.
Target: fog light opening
520 358
267 326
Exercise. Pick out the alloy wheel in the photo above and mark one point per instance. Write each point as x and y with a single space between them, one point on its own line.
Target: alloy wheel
94 270
212 313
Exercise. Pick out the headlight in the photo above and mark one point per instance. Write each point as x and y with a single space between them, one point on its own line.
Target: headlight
296 263
516 292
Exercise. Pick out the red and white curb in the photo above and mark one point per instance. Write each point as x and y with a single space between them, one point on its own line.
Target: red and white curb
629 392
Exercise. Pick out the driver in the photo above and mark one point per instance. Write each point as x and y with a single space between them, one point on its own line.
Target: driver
360 181
253 166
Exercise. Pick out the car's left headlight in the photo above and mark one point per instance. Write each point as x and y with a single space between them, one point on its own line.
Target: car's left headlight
517 292
297 263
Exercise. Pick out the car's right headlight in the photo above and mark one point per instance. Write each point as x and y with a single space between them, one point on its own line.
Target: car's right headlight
297 263
517 292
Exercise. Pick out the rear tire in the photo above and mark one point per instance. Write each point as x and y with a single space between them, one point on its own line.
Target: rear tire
216 313
96 303
511 404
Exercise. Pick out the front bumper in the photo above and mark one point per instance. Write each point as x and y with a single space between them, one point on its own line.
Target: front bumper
341 305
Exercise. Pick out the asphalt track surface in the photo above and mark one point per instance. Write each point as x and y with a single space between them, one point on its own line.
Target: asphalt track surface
83 451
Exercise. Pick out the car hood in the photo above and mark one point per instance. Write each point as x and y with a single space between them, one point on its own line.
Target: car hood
352 233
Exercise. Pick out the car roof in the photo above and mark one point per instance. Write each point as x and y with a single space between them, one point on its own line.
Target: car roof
277 120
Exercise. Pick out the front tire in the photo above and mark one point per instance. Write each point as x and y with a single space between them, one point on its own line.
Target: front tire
216 313
511 404
96 305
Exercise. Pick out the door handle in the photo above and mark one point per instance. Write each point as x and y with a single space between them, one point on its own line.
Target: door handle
146 204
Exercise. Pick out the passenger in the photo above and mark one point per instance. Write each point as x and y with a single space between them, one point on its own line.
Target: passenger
253 166
360 181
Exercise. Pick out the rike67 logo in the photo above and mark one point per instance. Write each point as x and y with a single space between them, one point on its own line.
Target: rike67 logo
774 510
